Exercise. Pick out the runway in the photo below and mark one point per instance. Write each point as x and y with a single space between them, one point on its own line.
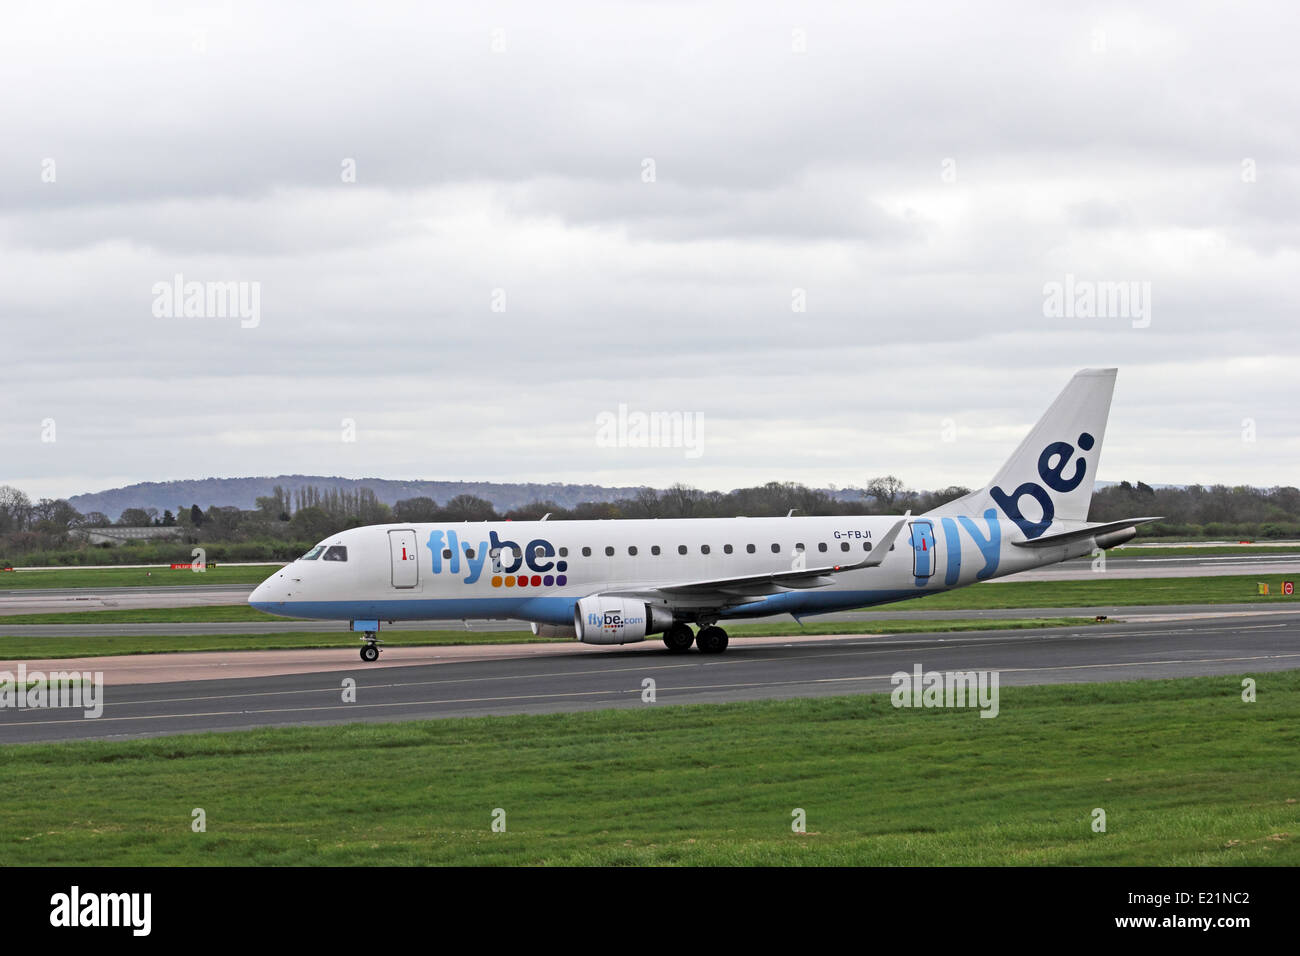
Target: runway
420 683
68 600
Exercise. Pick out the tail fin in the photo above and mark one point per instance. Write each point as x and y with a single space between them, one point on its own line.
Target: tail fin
1051 474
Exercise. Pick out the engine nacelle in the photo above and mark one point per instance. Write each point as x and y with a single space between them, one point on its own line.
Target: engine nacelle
1105 541
616 620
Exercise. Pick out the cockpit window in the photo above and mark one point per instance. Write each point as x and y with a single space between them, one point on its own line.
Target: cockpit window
336 553
313 554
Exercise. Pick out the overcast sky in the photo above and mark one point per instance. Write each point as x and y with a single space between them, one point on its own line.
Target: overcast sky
560 208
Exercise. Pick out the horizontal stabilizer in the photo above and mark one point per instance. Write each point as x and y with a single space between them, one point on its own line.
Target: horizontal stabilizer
1082 534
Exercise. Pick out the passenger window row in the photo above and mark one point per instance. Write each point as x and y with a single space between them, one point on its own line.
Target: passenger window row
633 551
340 553
655 550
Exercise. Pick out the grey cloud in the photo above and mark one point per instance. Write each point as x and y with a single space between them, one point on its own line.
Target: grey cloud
520 172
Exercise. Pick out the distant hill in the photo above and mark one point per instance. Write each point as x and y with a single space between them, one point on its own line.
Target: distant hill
243 492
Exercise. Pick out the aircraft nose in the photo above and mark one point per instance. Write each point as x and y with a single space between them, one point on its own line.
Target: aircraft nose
258 598
267 595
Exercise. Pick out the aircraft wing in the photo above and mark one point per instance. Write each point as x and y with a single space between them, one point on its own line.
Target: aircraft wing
721 592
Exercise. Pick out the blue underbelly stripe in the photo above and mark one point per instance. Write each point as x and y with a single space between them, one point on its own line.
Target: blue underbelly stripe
555 610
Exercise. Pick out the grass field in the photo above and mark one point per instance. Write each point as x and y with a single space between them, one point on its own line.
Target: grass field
1110 592
1186 773
27 648
161 576
204 614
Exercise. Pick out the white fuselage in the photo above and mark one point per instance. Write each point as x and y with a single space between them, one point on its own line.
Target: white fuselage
537 571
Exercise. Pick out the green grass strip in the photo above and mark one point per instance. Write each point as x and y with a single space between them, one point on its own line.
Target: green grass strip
1186 773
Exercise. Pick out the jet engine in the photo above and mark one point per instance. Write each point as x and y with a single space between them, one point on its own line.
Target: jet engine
615 620
1105 541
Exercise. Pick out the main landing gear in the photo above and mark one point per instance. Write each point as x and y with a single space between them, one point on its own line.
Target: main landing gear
370 650
711 639
679 638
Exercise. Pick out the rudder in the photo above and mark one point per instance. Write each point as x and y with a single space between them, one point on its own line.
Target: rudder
1051 474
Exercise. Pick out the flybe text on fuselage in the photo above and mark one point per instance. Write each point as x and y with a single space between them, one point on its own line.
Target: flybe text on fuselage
507 556
989 545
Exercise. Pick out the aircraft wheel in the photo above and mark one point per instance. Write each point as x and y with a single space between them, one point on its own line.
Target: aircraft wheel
679 638
711 640
370 653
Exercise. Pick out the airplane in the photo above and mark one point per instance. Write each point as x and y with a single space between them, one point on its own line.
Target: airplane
612 582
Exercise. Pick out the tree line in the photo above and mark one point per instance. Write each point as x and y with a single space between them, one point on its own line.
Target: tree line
285 523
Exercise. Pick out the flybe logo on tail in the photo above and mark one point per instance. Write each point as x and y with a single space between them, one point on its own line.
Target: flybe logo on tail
511 564
1051 469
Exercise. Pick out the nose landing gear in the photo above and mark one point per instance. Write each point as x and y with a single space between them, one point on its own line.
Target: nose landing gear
370 650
